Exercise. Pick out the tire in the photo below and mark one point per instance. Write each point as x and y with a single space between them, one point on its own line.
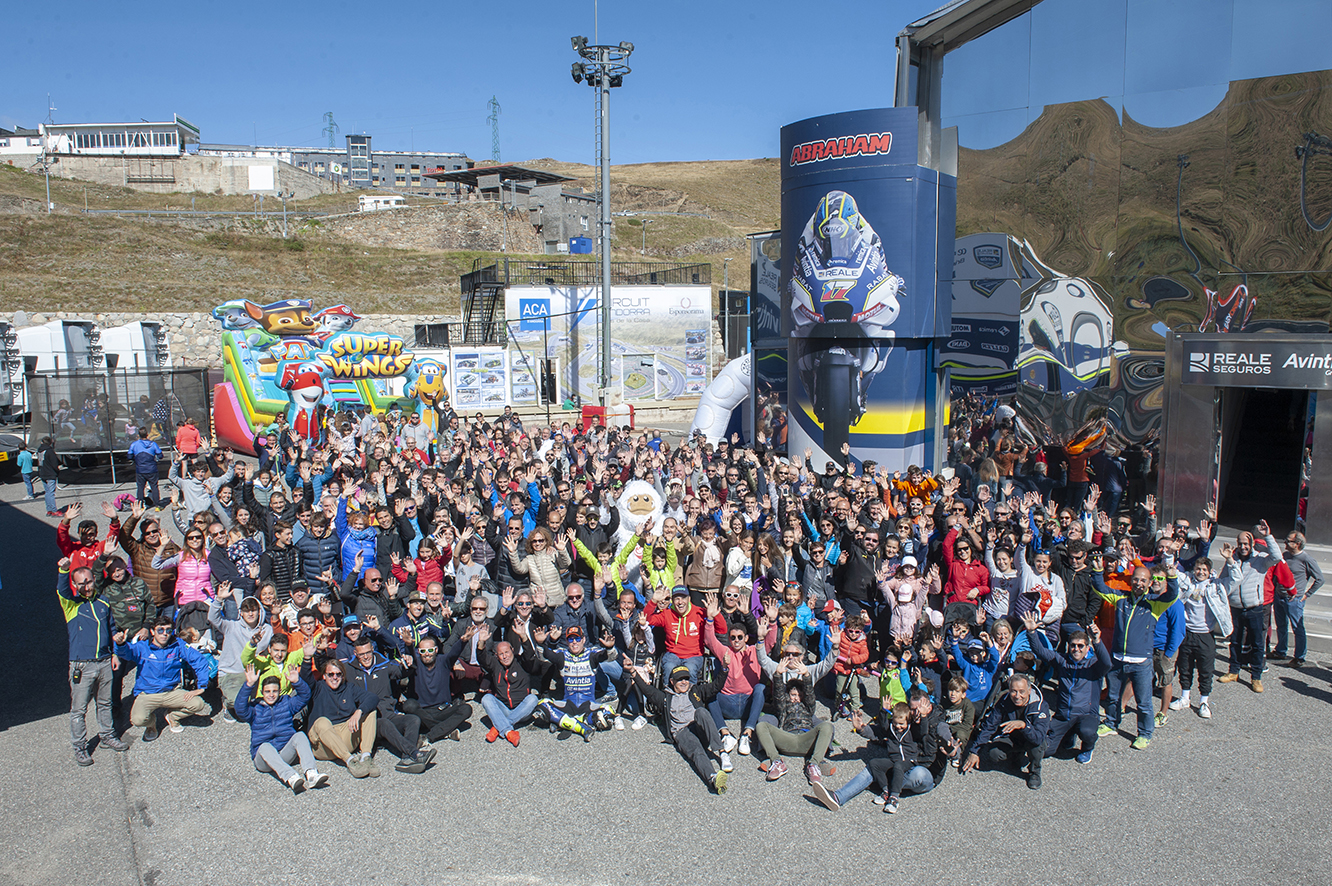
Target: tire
838 390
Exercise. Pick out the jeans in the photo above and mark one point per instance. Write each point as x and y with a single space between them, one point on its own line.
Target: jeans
746 708
670 661
695 741
919 780
504 718
812 745
1250 630
150 481
95 684
27 481
50 494
1289 609
1140 676
1083 725
609 676
269 759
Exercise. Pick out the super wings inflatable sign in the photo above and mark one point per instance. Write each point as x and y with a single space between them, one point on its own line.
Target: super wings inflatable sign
286 359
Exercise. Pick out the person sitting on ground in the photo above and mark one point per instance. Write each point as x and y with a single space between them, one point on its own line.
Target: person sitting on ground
377 675
511 699
686 719
275 742
237 626
431 697
577 666
340 714
1079 676
1014 729
742 696
161 661
795 732
886 772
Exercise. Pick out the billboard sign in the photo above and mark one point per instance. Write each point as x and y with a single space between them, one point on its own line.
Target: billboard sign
1303 362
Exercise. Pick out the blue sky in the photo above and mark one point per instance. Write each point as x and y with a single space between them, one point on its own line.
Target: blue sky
711 80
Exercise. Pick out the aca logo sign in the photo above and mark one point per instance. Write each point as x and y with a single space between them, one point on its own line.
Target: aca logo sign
532 314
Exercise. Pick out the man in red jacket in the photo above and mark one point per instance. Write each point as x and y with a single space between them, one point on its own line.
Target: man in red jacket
683 624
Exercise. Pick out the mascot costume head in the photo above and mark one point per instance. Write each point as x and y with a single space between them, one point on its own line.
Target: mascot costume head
304 384
638 502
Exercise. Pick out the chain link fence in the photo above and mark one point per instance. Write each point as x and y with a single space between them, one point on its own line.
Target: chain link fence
102 411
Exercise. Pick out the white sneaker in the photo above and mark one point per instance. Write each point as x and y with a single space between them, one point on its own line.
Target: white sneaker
1205 711
728 742
639 722
619 724
725 762
226 715
296 782
315 779
175 727
744 745
1178 704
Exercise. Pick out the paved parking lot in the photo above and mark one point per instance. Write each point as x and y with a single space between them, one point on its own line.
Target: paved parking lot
1238 799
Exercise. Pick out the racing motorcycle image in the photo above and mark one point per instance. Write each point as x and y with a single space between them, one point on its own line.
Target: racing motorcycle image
844 300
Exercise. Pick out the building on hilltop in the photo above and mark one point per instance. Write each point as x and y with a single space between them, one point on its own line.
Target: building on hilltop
358 165
556 212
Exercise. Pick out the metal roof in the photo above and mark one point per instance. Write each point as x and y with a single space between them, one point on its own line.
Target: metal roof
506 172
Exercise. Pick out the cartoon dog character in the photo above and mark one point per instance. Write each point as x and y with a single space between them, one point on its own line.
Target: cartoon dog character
334 320
426 384
289 317
233 315
639 501
304 384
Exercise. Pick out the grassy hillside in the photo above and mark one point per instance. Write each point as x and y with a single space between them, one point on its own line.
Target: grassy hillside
696 212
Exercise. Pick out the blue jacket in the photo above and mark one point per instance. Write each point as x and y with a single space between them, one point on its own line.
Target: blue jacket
353 541
160 666
1135 618
979 677
431 686
272 723
533 505
1170 629
1079 681
89 622
1035 714
145 454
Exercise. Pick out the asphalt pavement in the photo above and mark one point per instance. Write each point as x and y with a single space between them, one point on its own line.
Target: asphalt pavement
1237 799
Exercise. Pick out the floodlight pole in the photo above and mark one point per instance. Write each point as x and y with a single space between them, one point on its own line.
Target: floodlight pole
603 67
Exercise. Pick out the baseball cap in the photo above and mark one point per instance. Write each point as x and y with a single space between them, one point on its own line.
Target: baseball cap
679 591
416 597
680 672
904 594
909 560
574 633
351 620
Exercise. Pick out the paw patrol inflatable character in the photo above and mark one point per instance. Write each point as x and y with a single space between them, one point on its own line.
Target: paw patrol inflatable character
334 320
304 384
285 318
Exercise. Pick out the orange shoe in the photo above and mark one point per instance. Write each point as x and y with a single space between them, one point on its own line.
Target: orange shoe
1228 678
1257 685
492 735
513 737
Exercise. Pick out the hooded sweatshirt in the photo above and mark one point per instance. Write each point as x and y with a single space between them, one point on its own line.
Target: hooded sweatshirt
235 633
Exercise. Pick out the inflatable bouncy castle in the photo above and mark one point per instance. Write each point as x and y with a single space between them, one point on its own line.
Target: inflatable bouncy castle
287 359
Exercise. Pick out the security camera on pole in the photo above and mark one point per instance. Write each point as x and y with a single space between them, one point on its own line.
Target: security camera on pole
603 67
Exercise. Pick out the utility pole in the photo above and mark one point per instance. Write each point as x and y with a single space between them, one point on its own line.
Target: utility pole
46 162
493 120
603 67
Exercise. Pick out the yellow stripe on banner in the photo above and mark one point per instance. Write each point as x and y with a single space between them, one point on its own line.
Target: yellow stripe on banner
884 420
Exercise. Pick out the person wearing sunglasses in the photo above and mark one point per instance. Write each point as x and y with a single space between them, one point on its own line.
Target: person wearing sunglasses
161 660
342 720
1078 674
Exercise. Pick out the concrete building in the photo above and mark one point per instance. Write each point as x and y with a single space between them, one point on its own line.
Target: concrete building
557 212
19 146
358 166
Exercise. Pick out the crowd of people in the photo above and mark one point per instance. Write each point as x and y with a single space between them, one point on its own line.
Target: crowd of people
393 587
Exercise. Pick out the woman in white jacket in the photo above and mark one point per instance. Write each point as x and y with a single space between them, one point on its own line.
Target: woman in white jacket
1047 589
1206 616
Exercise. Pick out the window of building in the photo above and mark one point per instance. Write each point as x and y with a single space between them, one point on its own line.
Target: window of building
319 167
416 167
398 167
400 181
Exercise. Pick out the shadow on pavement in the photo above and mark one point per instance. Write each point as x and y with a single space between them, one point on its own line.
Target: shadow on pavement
35 651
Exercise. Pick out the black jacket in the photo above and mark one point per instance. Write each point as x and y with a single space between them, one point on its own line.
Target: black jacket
337 705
